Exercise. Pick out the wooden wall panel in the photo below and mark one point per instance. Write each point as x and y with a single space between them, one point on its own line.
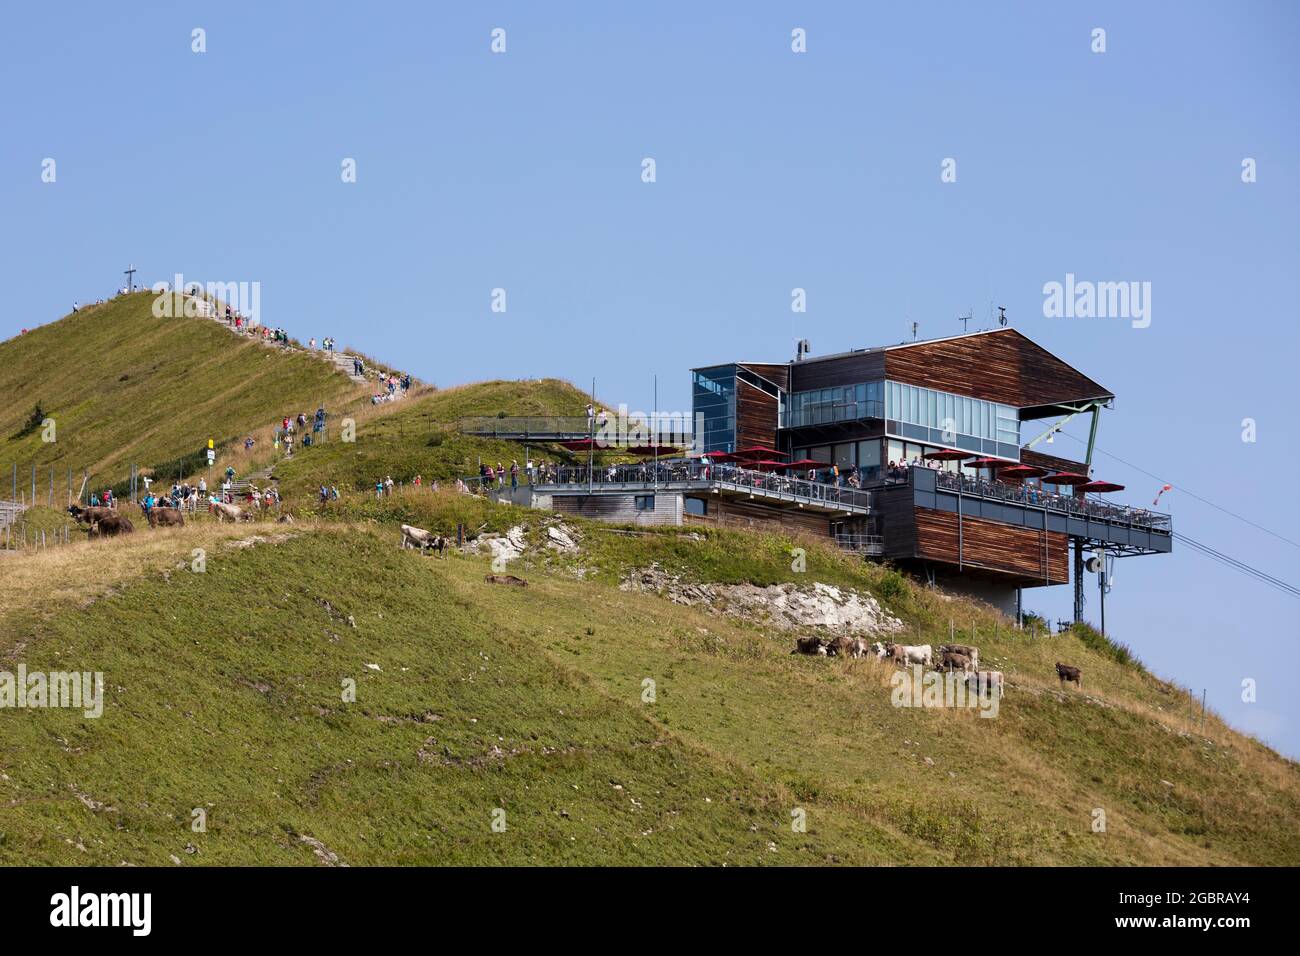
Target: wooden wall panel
992 545
756 416
1029 456
999 366
866 366
736 514
778 375
894 507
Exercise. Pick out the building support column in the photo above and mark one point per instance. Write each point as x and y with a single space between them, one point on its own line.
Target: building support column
1078 580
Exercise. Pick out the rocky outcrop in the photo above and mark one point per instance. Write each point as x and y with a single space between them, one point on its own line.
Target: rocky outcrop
786 606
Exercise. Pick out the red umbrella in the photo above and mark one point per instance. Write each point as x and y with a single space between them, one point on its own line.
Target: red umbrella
581 444
758 452
768 465
988 463
1022 471
808 463
1100 486
947 454
719 457
1065 478
652 450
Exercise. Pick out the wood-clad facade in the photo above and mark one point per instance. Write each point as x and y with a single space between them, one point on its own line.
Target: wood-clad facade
739 514
1031 557
757 416
998 366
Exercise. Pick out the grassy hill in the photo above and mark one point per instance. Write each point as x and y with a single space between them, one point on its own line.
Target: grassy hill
124 386
418 437
224 693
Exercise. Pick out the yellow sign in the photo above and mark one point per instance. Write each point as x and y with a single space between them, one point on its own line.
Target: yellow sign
209 442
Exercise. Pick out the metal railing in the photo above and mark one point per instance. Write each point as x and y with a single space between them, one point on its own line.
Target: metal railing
536 426
861 543
671 430
648 476
1065 504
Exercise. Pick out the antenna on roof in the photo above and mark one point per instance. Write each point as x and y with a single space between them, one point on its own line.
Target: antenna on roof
1002 315
963 319
915 326
802 348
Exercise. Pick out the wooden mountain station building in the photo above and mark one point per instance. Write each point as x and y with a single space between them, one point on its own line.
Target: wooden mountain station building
911 453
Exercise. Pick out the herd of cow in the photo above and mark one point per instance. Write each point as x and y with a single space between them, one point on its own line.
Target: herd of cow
951 657
110 522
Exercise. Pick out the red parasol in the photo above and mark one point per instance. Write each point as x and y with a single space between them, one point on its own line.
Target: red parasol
947 454
1065 478
1100 486
1022 471
758 452
988 463
650 450
808 463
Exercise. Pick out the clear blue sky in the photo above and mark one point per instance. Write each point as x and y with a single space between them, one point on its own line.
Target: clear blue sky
775 171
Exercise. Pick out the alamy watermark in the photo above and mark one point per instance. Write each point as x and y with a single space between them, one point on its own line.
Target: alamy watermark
1073 299
205 298
76 690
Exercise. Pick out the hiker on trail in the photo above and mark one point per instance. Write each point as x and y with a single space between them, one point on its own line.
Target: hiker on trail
230 473
591 416
514 475
248 443
311 343
203 487
406 382
379 488
108 497
388 485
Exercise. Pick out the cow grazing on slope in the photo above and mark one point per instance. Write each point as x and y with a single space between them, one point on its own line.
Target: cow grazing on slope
952 660
413 537
1067 673
110 526
809 645
89 515
972 652
167 517
911 654
225 512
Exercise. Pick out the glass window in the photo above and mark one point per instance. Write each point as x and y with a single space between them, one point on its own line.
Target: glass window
846 455
644 502
696 506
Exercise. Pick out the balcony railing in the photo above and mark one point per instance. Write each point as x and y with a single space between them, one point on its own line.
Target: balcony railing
871 544
647 476
1065 504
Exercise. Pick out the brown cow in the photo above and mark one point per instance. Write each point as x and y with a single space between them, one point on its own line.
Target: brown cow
89 515
167 517
972 652
808 645
841 646
110 526
951 660
1067 673
506 579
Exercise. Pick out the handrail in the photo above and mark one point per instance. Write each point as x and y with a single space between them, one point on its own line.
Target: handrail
649 476
1064 504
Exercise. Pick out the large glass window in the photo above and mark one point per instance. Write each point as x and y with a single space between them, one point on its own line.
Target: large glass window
713 396
942 419
843 403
